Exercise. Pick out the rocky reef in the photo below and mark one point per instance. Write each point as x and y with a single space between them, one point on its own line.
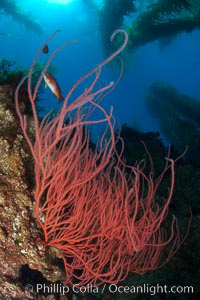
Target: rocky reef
23 260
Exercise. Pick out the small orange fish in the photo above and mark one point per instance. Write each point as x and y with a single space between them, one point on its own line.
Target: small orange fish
51 82
45 49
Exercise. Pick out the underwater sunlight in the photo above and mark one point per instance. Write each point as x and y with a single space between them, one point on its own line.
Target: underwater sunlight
63 2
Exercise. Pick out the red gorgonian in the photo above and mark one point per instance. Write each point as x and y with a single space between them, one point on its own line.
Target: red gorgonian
104 220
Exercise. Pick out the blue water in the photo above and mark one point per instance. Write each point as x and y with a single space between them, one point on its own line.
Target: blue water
178 64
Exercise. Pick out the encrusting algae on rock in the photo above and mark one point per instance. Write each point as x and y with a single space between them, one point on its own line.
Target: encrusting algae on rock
18 230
